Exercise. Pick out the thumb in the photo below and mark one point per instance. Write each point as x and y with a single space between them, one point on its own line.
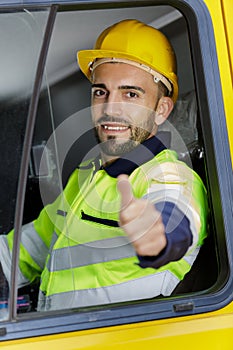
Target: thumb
125 189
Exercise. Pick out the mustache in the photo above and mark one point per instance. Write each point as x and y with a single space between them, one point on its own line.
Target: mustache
111 119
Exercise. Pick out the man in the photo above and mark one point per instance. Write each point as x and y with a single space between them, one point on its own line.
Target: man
129 224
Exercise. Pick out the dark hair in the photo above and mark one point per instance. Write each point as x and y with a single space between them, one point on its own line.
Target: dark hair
163 89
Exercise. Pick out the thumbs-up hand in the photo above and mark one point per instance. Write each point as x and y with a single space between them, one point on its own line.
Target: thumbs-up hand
140 221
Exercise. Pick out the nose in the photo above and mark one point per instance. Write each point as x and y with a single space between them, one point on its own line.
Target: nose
113 105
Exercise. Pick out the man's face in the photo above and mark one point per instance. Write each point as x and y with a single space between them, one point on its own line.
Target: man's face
124 99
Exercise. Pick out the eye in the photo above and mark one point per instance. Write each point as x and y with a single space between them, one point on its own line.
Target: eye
132 94
99 93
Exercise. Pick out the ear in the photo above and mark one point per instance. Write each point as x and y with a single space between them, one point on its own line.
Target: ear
164 108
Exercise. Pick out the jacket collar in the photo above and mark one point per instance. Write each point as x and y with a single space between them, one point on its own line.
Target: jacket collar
138 156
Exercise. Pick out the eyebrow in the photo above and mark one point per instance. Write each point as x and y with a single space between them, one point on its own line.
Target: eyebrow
132 87
122 87
103 86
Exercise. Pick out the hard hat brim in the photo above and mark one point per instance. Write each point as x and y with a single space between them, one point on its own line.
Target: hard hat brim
86 57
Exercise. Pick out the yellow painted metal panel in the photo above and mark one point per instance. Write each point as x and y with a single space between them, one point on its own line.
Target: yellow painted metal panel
227 6
208 331
221 13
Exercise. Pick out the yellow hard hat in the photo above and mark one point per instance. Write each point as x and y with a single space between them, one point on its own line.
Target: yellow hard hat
131 41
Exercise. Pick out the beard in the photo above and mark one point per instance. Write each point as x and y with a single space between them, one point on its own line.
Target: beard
116 146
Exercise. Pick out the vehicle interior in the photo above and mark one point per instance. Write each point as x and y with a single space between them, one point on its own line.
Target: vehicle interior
63 133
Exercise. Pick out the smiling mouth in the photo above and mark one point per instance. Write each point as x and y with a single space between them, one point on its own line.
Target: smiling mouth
115 128
112 127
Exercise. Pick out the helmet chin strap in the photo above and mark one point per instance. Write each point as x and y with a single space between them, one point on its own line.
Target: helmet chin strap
157 76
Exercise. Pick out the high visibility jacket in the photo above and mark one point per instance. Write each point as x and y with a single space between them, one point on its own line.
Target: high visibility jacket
77 248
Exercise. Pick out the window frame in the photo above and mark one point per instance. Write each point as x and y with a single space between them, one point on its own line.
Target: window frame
211 106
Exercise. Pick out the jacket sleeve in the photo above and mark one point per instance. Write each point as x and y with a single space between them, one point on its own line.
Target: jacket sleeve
34 247
36 238
179 194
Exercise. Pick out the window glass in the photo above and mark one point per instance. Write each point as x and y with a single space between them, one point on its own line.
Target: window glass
20 40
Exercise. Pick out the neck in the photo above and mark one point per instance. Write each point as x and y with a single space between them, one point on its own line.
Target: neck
107 160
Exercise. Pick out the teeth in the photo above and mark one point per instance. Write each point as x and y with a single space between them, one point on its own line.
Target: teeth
115 128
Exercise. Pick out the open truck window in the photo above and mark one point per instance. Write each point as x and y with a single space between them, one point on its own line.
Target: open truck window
47 132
